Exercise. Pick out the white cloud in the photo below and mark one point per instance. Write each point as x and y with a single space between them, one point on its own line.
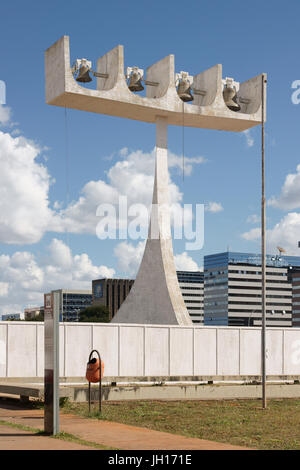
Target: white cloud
285 233
130 256
77 269
60 254
184 262
4 286
249 138
131 176
25 211
176 161
253 234
24 187
123 152
214 207
253 219
289 198
83 269
24 278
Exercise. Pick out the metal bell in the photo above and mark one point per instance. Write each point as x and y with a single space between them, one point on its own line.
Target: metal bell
184 91
83 74
135 83
230 98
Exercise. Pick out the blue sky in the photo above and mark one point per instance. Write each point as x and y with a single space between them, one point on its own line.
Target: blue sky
247 38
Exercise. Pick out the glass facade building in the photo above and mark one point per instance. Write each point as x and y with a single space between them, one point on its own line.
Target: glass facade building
68 303
232 289
295 277
73 303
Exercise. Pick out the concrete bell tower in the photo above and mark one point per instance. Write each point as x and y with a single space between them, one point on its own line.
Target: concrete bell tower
155 297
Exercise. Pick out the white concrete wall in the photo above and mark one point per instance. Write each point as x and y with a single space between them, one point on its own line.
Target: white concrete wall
137 350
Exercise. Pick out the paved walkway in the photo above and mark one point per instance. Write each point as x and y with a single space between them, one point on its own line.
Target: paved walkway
15 439
111 434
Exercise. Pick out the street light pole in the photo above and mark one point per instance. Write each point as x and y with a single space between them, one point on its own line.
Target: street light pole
263 250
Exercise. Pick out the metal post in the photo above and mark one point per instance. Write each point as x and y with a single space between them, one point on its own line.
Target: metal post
100 385
263 250
100 380
51 376
56 374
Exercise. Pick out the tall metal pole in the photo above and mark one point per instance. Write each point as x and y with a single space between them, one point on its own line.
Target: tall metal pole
263 250
51 376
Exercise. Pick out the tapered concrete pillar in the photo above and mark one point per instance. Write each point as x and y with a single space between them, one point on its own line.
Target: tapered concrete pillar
155 297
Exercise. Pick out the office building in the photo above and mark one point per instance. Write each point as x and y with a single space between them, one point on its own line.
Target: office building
30 313
12 316
295 280
67 303
191 284
113 292
232 289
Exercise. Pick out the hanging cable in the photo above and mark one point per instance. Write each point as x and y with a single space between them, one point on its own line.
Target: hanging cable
67 181
67 158
182 140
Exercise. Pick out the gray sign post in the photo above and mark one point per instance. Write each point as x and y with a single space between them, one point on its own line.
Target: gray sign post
51 376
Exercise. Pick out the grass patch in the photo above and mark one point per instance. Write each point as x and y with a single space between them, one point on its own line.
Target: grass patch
71 438
238 422
21 427
61 436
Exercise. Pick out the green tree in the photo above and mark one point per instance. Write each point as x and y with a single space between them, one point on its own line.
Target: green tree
95 314
39 317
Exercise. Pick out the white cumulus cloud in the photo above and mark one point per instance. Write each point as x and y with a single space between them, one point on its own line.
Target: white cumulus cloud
25 210
214 207
252 234
24 187
185 262
24 278
249 138
132 176
285 233
253 219
289 198
130 256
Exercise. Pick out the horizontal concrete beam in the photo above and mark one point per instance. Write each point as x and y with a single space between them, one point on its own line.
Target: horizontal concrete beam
112 96
157 378
184 392
28 390
79 393
22 390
